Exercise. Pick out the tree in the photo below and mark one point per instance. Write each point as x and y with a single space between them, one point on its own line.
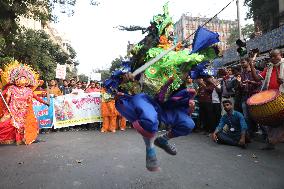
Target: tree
247 32
71 73
13 10
115 63
83 77
36 49
265 12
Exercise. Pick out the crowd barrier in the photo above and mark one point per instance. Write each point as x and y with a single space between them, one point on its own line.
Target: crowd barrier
69 110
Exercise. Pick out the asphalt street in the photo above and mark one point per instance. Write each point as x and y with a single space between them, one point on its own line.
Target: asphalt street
90 159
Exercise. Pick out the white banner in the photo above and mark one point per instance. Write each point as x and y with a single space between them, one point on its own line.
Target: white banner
71 110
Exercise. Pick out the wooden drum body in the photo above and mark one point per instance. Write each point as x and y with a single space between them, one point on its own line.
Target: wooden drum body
267 107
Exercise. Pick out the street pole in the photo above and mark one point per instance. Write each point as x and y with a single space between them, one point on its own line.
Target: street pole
239 20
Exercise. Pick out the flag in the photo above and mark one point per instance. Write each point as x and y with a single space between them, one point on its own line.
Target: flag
203 39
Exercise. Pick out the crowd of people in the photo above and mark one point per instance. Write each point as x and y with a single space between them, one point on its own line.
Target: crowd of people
112 120
223 112
221 109
176 90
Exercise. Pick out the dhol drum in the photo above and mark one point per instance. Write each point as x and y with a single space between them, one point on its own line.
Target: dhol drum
267 107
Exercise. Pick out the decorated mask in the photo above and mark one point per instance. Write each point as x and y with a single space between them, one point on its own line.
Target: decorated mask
19 74
22 82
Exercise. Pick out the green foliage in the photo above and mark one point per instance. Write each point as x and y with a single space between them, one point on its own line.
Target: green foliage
2 44
115 64
4 60
105 74
247 32
36 49
71 73
83 77
12 10
72 52
265 11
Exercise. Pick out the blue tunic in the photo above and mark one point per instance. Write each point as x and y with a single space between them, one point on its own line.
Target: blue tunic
146 111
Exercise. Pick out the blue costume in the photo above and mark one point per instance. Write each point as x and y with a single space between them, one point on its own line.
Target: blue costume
145 113
157 95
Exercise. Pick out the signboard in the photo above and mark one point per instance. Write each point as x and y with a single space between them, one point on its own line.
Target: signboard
44 114
71 110
96 76
61 71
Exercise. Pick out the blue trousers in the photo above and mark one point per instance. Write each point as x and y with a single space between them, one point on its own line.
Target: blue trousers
229 139
148 112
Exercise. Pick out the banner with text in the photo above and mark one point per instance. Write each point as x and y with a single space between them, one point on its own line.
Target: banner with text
44 114
71 110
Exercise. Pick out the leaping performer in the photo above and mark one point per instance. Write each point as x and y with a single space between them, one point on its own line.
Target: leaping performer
17 120
158 93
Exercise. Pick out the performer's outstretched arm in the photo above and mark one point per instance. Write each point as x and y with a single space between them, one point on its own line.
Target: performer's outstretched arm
40 99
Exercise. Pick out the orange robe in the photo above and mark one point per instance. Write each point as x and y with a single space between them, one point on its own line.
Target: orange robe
121 122
55 91
109 113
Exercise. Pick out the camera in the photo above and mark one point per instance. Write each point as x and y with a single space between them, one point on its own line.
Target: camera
254 51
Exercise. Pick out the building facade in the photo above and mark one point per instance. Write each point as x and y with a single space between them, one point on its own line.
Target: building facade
49 29
187 25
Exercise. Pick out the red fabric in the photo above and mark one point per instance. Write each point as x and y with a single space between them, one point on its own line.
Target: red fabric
90 90
136 125
38 99
29 128
7 132
273 84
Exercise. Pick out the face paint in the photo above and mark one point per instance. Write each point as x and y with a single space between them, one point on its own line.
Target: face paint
22 82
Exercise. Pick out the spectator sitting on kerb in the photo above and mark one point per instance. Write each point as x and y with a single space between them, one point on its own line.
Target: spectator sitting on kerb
232 127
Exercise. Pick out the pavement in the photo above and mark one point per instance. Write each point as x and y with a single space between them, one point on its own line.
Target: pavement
90 159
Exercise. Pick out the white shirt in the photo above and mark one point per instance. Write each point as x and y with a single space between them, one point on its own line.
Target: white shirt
78 91
215 96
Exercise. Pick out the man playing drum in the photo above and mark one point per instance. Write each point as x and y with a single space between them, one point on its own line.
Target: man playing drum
273 77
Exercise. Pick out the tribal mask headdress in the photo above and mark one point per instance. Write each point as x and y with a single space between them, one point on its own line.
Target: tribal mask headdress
15 70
